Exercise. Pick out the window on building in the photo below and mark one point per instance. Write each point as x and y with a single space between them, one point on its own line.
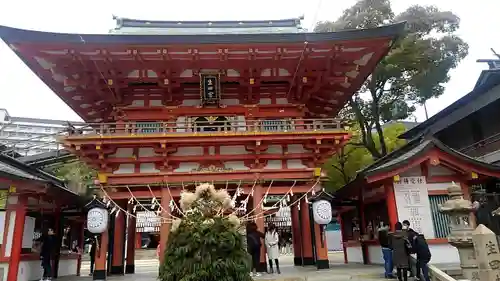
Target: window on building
440 221
277 125
148 127
212 124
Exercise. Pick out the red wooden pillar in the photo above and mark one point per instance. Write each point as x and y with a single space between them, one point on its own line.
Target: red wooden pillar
131 241
257 200
17 239
342 234
81 245
101 257
138 240
117 266
165 226
296 235
320 247
362 229
307 250
392 209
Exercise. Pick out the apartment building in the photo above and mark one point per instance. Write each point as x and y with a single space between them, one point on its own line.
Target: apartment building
30 136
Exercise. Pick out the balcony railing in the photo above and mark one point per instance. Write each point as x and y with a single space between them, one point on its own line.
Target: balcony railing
482 147
207 127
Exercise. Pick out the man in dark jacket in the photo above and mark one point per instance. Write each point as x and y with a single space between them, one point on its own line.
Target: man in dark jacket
92 252
411 235
423 256
46 254
399 244
383 239
253 246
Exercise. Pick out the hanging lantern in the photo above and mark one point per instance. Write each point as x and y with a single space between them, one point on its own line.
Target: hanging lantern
97 217
322 208
322 211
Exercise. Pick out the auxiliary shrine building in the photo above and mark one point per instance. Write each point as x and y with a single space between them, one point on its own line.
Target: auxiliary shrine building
249 106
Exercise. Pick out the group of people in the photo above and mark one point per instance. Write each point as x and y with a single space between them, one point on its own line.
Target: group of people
397 248
271 241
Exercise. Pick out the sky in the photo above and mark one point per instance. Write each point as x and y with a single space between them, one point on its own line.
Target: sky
22 93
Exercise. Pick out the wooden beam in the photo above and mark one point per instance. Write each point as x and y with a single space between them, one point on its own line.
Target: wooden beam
248 175
176 192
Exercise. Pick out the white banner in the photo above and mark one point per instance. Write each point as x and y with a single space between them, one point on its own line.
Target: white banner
412 200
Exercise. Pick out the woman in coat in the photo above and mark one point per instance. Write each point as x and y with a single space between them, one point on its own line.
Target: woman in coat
400 251
272 239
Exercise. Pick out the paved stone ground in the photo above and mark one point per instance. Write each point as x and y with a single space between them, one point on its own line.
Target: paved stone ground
147 270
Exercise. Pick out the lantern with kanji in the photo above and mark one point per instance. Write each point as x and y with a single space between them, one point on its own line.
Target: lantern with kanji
322 208
97 216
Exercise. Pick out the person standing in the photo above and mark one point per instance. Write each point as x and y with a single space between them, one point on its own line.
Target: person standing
92 252
253 246
421 248
272 240
400 251
383 239
410 235
46 254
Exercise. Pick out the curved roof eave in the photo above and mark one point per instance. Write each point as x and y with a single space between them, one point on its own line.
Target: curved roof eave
15 35
421 128
403 156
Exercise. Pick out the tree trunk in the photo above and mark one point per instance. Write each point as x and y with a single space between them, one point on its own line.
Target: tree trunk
366 134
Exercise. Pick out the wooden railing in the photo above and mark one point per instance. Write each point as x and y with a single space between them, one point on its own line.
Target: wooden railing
265 126
482 147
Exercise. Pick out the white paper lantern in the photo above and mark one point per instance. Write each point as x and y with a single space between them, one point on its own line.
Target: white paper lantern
322 212
97 220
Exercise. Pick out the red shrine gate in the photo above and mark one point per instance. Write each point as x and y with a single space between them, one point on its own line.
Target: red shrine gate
248 112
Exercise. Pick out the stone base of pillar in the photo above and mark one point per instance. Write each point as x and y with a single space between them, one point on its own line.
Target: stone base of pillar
99 275
262 267
116 270
308 261
130 268
297 261
322 264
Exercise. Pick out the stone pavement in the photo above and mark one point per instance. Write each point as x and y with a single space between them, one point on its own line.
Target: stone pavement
147 270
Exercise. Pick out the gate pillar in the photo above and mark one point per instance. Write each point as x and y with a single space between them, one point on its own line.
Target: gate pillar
131 241
296 234
165 226
306 234
117 262
257 200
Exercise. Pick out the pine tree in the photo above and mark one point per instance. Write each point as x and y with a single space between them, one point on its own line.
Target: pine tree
206 244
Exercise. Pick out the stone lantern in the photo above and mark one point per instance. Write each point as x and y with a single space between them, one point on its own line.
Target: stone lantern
459 210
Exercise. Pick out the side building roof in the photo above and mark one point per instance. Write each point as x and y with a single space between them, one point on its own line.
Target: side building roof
412 154
478 98
14 169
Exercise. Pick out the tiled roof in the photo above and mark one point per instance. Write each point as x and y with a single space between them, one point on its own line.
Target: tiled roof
403 156
13 171
14 35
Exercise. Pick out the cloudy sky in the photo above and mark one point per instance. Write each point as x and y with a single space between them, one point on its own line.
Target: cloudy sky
23 94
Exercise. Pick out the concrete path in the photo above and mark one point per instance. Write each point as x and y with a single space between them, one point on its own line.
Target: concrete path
147 270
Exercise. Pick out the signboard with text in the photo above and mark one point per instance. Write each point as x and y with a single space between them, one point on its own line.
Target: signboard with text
412 200
210 89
